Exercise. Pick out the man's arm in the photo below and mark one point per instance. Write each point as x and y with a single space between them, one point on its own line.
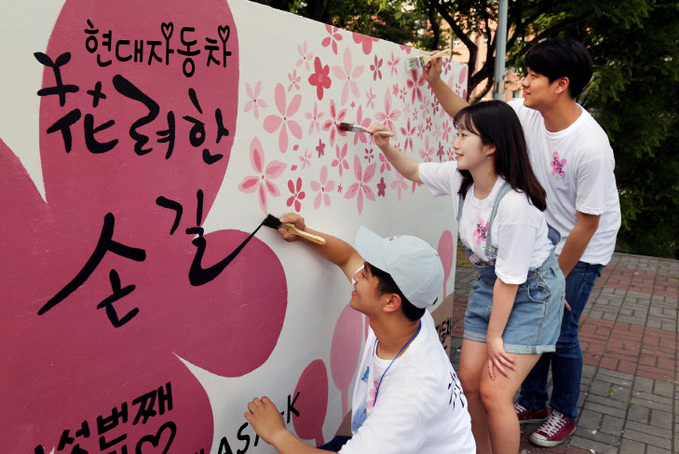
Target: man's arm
450 101
268 423
578 239
334 250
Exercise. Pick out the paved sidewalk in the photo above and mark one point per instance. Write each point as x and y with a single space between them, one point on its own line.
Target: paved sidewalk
629 400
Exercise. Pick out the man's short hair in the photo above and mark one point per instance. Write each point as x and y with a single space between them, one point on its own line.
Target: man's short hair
386 284
562 57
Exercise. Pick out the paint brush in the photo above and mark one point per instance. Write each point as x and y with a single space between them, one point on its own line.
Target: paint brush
351 127
421 61
275 223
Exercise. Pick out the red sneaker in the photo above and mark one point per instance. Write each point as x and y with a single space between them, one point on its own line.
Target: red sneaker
526 416
554 431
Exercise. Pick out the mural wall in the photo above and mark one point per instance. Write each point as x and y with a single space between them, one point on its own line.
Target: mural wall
141 146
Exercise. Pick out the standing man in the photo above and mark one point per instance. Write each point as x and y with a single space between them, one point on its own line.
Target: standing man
407 397
571 156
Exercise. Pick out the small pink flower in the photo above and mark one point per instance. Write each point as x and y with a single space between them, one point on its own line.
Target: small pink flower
365 41
427 154
381 188
415 85
341 161
440 152
254 102
558 165
375 68
389 115
333 39
481 232
408 132
384 163
332 124
369 155
294 80
349 74
399 184
320 148
284 121
321 78
323 188
373 394
314 118
305 57
371 98
305 159
261 183
361 187
297 194
364 138
393 64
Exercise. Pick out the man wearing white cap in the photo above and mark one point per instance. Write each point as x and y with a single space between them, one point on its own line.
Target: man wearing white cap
407 397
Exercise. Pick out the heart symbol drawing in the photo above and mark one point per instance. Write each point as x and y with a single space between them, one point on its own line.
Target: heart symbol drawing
155 439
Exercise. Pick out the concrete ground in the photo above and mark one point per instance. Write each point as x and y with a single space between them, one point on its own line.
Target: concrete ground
629 400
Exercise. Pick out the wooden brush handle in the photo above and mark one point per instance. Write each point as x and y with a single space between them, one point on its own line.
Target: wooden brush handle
311 237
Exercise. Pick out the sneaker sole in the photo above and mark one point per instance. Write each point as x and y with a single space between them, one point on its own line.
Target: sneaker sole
547 443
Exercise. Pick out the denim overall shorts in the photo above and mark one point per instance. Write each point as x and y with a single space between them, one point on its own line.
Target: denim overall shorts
535 320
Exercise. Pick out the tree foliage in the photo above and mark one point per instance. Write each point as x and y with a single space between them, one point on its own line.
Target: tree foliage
634 94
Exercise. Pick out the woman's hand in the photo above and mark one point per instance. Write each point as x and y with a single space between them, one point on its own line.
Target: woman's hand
266 420
498 358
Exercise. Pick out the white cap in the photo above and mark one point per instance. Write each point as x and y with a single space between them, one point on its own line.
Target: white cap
413 264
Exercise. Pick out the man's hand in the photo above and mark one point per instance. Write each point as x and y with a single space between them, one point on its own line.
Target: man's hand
266 420
294 219
380 140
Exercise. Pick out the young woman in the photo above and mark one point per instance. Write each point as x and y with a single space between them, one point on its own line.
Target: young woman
515 307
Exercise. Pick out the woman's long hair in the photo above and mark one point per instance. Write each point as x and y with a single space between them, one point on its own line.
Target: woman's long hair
497 124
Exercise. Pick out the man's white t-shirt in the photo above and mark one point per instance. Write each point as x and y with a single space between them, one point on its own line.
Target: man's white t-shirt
420 407
519 231
575 166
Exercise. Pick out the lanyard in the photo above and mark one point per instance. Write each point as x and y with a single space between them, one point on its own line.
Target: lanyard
392 361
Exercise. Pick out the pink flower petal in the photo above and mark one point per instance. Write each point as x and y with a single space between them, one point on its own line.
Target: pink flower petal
272 123
249 184
274 169
257 155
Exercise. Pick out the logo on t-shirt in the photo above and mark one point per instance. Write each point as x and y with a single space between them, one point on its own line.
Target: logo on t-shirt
481 232
558 166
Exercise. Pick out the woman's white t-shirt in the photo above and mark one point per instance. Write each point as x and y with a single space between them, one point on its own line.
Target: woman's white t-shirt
519 231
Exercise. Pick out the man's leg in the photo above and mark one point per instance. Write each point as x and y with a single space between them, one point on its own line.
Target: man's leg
567 360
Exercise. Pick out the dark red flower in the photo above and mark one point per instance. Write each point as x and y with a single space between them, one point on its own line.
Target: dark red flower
321 78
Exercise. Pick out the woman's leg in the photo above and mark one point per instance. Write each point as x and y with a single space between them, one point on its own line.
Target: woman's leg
496 396
473 360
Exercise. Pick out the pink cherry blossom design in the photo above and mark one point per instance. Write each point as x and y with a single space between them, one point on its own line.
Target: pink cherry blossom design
366 122
254 102
320 148
369 155
394 64
284 121
79 359
375 68
407 49
415 84
389 115
381 187
323 187
481 232
440 152
365 41
332 124
305 56
361 187
341 162
261 183
371 98
333 39
297 194
447 130
294 80
349 74
558 165
373 395
384 163
314 118
305 159
321 77
408 132
427 154
399 184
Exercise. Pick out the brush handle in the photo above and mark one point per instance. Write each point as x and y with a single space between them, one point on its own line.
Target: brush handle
443 53
309 236
383 133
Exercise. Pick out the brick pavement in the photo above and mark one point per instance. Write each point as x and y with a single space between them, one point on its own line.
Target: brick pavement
629 400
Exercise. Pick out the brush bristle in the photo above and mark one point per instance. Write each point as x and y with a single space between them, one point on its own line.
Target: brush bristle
346 126
272 221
